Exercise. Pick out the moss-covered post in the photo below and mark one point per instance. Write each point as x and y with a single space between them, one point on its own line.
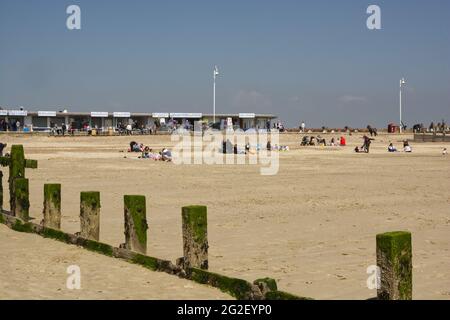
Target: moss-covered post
90 215
195 236
17 164
21 199
52 206
135 223
394 258
16 170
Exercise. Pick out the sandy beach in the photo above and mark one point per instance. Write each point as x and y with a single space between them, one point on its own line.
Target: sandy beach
312 226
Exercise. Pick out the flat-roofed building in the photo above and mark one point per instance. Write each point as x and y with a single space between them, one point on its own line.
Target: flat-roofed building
44 120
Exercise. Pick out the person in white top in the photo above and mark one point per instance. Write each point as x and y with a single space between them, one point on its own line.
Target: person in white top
302 126
129 129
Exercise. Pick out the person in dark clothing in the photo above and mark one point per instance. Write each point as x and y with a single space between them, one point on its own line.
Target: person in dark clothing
229 146
247 148
372 131
224 146
64 128
235 149
269 146
367 142
2 147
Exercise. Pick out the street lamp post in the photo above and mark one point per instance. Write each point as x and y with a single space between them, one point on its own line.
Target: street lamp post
216 73
402 83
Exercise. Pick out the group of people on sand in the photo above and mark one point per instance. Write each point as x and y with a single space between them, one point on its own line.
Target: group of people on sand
365 148
319 141
406 147
147 153
229 148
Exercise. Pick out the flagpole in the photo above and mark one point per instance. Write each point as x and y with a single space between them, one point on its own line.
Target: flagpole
402 82
214 97
401 126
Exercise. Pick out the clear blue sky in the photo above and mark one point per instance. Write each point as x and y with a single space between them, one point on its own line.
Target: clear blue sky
302 60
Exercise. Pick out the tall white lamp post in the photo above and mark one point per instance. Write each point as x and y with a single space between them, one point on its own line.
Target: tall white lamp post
402 83
216 73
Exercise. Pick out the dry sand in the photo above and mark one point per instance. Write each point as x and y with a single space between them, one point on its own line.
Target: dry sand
312 226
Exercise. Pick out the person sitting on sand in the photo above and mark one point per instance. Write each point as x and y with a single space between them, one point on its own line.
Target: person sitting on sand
146 152
406 147
391 148
333 142
342 142
444 152
135 147
166 155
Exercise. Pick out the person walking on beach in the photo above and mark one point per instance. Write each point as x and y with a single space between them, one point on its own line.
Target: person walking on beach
372 131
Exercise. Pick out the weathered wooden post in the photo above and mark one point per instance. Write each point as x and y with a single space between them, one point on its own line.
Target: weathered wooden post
21 199
17 164
394 258
90 215
1 190
52 206
195 236
135 223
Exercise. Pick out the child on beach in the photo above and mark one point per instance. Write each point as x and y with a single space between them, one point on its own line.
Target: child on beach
146 153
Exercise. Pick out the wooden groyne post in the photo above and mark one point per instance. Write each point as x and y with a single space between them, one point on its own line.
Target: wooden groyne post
17 164
135 217
21 199
52 206
195 237
394 258
1 190
90 215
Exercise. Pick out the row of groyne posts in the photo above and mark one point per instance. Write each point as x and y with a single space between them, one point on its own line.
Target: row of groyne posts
393 249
